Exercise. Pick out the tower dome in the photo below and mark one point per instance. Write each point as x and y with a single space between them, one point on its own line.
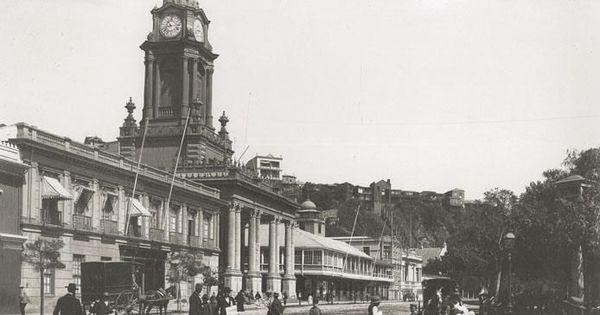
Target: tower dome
308 205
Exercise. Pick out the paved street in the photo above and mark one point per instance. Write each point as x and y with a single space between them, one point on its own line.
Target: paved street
347 309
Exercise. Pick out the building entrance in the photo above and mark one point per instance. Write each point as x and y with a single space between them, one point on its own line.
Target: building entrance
153 261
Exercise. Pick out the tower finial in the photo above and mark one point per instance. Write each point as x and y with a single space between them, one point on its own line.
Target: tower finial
224 120
129 120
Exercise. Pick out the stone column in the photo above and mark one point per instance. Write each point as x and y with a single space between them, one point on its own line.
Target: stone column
232 275
208 117
238 239
200 226
289 279
273 277
253 282
148 89
258 267
185 88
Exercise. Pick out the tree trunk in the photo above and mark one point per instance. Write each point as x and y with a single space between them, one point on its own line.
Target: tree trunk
41 291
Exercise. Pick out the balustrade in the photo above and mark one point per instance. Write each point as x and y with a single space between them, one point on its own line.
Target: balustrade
51 217
108 226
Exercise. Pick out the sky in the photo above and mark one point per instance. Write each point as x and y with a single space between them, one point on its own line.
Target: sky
433 95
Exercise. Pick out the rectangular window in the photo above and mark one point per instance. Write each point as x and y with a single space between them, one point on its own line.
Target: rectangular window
367 250
308 257
77 260
49 282
103 258
318 257
173 222
155 207
83 195
320 228
298 257
110 205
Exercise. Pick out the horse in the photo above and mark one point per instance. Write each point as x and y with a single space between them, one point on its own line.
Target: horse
159 298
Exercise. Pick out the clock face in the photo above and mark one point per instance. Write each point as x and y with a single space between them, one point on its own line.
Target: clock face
198 30
170 26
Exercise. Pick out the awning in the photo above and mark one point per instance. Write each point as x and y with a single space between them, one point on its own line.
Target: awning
52 189
137 210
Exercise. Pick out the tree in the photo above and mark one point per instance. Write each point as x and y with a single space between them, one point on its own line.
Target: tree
43 254
184 266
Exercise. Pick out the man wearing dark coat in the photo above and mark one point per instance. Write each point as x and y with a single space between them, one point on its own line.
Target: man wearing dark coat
276 308
68 304
195 301
239 300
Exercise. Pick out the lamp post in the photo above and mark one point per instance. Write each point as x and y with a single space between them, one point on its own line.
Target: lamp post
509 244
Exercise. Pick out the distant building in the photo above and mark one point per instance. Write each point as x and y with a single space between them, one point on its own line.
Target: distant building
325 265
405 265
266 166
429 254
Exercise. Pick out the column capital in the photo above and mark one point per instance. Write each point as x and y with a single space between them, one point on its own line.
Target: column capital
210 70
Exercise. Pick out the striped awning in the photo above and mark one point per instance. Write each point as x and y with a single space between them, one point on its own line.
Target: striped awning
137 209
52 189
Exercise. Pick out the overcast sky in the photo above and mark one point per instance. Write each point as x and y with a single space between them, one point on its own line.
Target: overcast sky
431 94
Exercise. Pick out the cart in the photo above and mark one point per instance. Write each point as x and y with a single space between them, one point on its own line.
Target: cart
121 280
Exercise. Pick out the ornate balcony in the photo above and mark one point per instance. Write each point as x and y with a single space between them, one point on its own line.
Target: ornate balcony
108 226
82 222
51 217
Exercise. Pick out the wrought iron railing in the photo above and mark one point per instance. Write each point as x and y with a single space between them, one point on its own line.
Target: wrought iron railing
108 226
51 217
82 222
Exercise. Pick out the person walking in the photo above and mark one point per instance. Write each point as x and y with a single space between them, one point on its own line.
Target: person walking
315 310
285 297
100 307
195 300
275 308
68 304
23 299
374 306
299 295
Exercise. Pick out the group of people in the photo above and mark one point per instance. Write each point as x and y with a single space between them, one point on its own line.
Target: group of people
452 304
201 304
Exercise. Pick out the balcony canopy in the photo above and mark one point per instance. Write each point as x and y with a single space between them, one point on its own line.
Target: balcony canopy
52 189
137 209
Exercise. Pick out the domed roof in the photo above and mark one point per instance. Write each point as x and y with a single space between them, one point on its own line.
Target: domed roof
308 205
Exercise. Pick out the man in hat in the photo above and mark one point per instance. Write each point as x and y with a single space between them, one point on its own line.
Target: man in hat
100 307
374 306
23 299
196 301
276 308
315 310
68 304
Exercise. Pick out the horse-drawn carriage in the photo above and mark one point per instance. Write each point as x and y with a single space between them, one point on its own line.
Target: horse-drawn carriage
123 282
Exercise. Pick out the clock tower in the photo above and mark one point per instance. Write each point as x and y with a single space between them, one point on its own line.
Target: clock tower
179 64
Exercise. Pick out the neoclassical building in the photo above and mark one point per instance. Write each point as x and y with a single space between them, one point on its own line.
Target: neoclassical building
85 197
178 112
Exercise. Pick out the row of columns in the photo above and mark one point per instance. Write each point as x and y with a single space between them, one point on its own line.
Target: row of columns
233 275
153 88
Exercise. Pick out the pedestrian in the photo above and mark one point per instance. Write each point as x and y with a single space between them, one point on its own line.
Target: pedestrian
275 308
100 307
204 308
285 297
310 299
374 306
315 310
240 299
68 304
224 301
212 305
299 295
23 299
195 300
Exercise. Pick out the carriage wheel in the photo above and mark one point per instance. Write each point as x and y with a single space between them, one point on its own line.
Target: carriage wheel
127 301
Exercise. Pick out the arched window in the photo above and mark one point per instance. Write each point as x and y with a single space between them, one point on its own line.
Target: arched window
169 84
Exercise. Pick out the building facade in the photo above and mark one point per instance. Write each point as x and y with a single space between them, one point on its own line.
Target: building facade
178 135
85 197
12 172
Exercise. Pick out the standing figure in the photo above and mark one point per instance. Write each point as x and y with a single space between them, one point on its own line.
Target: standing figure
239 300
299 295
315 310
285 297
275 308
212 305
374 306
310 299
196 300
23 299
68 304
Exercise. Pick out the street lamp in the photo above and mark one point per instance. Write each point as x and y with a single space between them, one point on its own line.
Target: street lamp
509 244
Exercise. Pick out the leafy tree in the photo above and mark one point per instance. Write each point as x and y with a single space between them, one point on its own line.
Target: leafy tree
184 266
43 254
